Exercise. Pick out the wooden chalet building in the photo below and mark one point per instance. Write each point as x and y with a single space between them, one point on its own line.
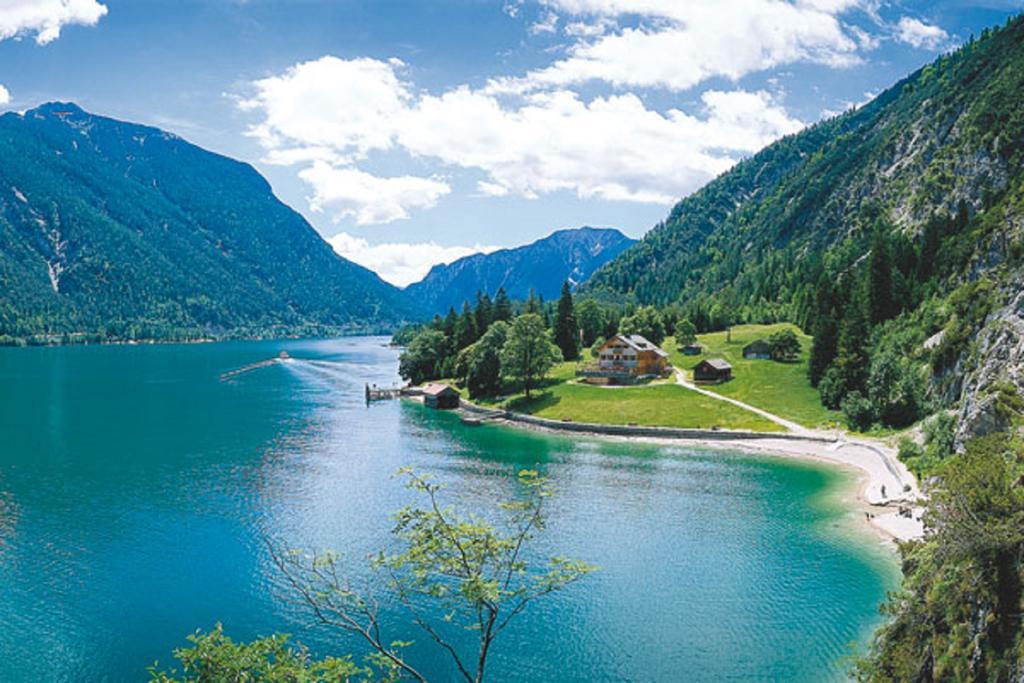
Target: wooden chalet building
626 358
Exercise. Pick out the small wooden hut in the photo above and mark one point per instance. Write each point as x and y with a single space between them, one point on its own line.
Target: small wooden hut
712 371
759 349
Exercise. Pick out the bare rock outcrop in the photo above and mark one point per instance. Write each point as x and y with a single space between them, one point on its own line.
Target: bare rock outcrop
998 367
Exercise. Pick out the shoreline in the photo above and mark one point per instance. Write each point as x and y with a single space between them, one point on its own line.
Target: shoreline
884 484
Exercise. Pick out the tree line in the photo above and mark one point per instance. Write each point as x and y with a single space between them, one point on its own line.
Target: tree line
498 342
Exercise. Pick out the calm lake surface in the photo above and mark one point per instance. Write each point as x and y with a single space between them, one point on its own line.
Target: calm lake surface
136 490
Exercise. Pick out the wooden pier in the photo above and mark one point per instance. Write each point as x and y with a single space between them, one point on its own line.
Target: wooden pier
375 393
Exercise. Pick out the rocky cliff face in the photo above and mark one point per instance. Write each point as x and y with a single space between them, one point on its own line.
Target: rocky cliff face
996 371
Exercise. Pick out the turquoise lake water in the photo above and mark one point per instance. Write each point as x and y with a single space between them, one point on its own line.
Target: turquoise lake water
136 490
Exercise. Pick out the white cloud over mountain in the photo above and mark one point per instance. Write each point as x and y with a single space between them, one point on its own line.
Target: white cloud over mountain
333 113
370 200
399 263
919 34
5 95
45 18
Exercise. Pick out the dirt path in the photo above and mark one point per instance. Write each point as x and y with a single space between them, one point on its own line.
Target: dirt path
788 424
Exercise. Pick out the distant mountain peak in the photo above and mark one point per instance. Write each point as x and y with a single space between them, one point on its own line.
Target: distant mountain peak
543 265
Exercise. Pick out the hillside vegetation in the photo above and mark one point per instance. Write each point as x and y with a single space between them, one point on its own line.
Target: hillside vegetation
110 230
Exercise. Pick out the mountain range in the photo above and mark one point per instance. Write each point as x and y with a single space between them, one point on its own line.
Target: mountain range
112 230
541 266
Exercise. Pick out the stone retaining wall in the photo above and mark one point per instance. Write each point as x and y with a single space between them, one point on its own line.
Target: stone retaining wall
636 430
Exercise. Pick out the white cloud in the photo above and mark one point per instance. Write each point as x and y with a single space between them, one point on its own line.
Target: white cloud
611 147
5 95
400 263
547 24
46 18
536 134
920 35
351 193
368 92
679 44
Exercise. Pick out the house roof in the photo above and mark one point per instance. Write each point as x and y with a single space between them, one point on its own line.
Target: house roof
436 389
638 342
758 344
717 363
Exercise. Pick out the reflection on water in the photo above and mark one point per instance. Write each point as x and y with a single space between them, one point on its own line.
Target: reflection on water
136 491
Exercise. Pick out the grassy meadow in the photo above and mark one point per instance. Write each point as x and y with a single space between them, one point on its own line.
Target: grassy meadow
780 388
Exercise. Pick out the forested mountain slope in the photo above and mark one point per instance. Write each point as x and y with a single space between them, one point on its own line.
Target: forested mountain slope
893 232
951 132
541 266
120 231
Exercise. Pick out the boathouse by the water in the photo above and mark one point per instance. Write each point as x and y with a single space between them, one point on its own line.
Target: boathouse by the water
440 396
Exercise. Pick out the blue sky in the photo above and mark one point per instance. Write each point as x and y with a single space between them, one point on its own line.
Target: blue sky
413 132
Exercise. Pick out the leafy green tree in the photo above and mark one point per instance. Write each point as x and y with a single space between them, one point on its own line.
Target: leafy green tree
686 333
858 411
483 367
214 658
596 346
784 345
566 329
832 388
424 357
454 573
502 306
895 390
528 354
646 321
591 320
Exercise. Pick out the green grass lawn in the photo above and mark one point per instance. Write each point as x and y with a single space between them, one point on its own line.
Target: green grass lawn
657 404
780 388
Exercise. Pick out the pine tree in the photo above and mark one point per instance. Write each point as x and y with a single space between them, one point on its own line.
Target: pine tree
448 328
502 306
852 359
566 329
484 313
533 304
880 303
825 330
465 328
